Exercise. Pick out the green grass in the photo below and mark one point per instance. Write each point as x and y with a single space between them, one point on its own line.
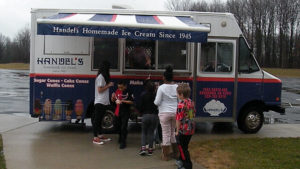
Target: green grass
283 72
248 153
2 160
15 66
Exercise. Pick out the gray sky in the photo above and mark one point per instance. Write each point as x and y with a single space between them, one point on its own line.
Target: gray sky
15 14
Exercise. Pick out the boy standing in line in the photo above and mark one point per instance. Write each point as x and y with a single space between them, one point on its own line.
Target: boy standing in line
123 99
150 118
185 126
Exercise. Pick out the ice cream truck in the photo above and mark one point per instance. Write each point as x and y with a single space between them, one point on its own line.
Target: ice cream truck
206 50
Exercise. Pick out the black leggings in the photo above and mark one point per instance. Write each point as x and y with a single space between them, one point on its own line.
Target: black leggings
183 145
99 112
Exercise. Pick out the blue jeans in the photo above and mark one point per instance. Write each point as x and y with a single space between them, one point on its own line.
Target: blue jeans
149 124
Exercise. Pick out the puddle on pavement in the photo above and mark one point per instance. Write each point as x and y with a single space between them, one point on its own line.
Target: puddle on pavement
274 120
296 91
21 74
22 88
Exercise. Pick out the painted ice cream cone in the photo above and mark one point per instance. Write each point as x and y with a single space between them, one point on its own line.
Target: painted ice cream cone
79 109
57 109
47 108
69 109
37 107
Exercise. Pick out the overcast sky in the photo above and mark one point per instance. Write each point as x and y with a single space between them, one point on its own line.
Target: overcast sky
15 14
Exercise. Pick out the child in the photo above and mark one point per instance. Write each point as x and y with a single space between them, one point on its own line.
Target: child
185 126
150 118
123 99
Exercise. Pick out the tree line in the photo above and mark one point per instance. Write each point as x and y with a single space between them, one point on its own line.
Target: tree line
271 27
16 49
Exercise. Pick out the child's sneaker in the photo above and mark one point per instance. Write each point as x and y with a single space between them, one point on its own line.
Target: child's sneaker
97 141
179 163
150 152
142 151
122 145
105 139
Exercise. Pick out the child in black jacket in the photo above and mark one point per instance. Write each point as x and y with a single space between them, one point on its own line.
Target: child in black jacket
150 118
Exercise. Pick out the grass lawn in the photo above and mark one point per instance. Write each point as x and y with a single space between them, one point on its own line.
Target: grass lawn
247 153
2 161
283 72
15 66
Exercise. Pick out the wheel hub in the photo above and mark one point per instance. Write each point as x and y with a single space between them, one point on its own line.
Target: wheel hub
253 120
107 121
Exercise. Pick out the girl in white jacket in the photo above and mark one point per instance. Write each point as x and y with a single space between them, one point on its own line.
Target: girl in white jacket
166 100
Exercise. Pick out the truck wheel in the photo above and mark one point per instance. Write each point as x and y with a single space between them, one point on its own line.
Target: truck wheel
108 122
251 120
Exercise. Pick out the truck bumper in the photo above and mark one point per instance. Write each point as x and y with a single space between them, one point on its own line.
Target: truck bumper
277 108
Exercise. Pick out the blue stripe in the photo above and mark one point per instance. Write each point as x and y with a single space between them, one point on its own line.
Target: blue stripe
121 32
102 17
147 19
189 21
60 16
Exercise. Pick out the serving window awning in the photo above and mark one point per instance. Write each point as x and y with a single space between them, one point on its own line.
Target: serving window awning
145 27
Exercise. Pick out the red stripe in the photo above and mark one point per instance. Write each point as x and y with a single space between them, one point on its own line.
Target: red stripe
152 77
69 16
256 80
199 79
61 75
215 79
157 19
272 81
113 19
112 76
251 80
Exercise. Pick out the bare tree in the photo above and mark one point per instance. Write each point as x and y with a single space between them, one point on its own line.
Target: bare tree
201 6
2 46
22 41
294 6
217 6
178 5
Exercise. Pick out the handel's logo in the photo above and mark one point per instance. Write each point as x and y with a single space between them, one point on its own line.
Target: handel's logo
60 61
214 108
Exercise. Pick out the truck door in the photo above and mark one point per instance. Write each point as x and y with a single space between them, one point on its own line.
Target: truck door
215 80
250 76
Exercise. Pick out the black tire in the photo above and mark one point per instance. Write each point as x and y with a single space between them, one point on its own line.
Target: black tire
251 119
108 122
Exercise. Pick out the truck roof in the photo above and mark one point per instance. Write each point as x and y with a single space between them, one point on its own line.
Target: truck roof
221 24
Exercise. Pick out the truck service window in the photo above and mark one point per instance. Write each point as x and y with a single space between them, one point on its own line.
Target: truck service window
216 57
105 49
172 53
140 54
247 63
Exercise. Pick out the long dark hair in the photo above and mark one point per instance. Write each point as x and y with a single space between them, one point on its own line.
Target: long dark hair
168 74
150 89
149 86
104 70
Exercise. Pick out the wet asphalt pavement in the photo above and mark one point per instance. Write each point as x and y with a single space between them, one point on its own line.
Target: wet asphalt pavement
14 91
290 94
14 97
